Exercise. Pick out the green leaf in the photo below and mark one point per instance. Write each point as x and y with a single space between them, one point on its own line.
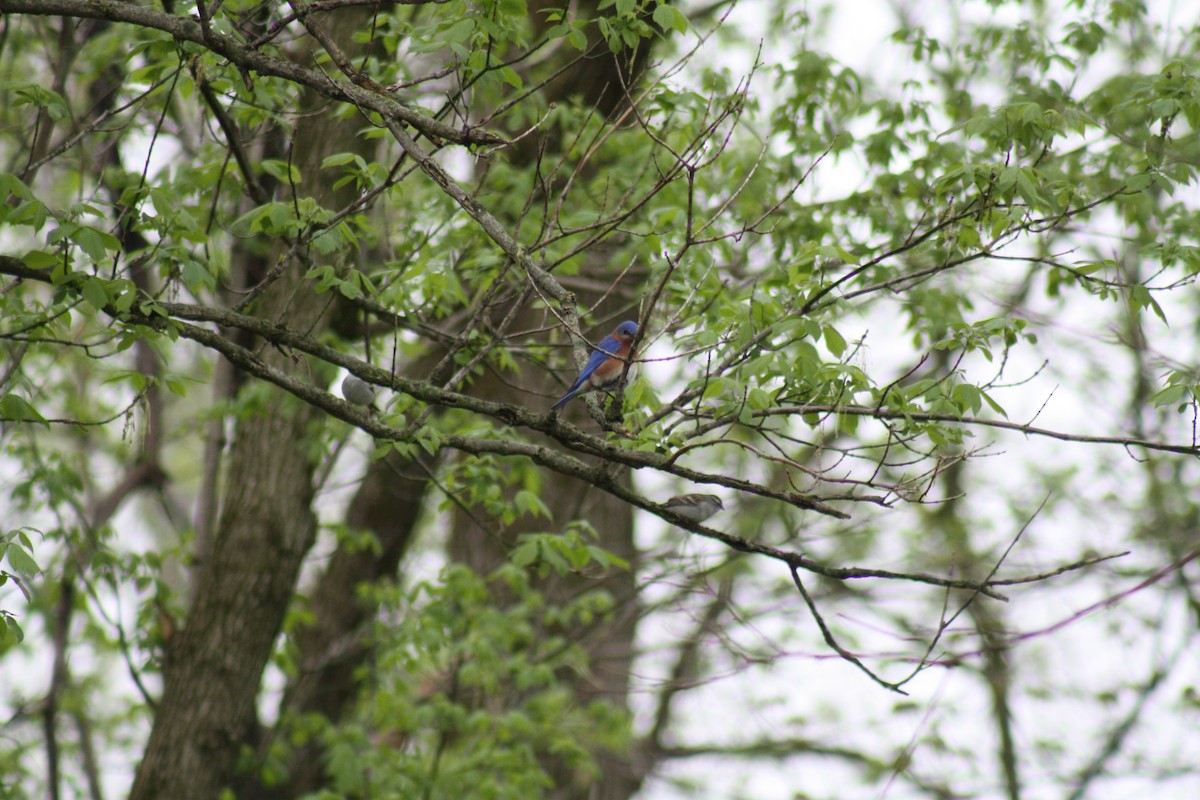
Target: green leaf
197 277
993 404
525 554
1027 189
28 212
1139 182
745 414
1170 396
37 95
124 300
528 502
834 341
338 159
511 77
681 20
94 293
459 32
664 17
968 397
16 409
41 259
96 243
715 387
20 560
11 623
281 171
758 399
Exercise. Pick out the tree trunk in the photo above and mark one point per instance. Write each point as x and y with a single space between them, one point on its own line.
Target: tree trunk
213 671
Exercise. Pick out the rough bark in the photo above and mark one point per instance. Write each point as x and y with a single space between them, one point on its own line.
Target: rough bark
212 674
213 671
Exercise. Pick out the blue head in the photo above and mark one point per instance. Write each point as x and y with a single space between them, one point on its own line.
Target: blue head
625 331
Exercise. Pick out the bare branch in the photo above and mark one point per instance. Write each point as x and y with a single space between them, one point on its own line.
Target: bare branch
1113 600
833 642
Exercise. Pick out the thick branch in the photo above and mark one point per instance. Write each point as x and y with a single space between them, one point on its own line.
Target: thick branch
547 457
549 424
250 60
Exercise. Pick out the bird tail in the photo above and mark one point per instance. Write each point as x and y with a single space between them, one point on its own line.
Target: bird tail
562 401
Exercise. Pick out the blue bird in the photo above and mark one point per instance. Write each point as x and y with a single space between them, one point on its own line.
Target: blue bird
602 369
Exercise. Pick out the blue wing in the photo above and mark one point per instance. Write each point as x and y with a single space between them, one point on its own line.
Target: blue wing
598 357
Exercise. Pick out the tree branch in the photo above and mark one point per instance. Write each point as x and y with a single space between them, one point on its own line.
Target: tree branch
250 60
924 416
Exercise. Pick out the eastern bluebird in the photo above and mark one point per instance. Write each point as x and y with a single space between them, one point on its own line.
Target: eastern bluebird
601 369
696 507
